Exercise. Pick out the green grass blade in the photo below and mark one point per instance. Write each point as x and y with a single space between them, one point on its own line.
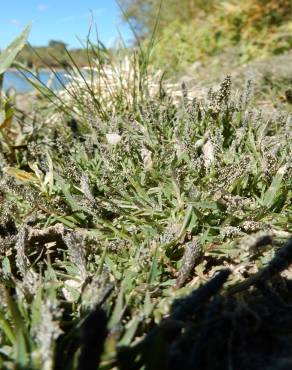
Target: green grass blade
8 55
273 190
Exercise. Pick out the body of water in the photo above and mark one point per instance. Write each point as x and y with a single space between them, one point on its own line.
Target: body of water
14 79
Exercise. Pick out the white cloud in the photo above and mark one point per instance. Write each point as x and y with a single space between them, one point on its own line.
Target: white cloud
42 7
87 15
15 22
97 12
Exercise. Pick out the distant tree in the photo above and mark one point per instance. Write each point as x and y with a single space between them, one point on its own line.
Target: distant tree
57 44
142 14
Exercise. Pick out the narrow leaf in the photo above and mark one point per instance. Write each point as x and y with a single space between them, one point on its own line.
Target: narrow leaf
8 55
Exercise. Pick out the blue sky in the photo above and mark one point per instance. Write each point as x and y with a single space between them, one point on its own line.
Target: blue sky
65 20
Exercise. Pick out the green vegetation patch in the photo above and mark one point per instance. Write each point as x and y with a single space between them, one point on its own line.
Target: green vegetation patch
119 206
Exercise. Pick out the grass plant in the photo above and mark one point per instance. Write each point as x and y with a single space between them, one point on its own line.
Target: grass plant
118 200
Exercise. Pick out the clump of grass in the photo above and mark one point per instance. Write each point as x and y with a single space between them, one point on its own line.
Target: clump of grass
125 200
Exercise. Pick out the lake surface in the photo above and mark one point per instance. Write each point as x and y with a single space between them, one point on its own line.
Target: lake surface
14 79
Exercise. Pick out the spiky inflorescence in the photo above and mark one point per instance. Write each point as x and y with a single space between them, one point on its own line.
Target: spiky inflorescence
47 333
191 257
